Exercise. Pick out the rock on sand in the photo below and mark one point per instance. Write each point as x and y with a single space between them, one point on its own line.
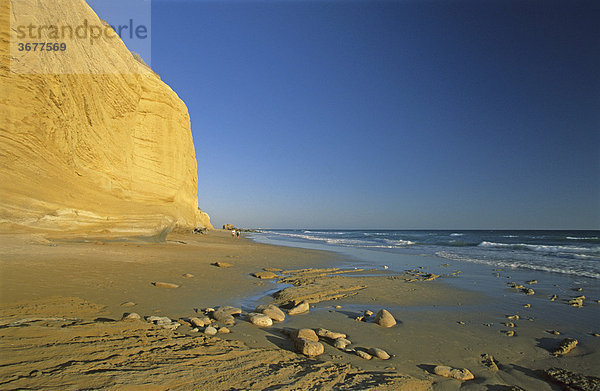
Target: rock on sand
131 316
341 343
167 285
572 380
231 310
385 319
260 320
565 346
329 334
308 347
223 317
272 311
265 275
363 354
199 322
489 361
379 353
210 331
305 334
461 374
222 264
301 308
163 322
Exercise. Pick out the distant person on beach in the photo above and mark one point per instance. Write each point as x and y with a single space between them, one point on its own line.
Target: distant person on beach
237 234
233 233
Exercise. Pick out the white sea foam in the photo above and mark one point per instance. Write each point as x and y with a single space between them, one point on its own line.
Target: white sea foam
588 238
324 232
397 243
456 234
540 247
563 269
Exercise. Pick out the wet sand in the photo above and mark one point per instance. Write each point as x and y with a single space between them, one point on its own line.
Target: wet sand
61 301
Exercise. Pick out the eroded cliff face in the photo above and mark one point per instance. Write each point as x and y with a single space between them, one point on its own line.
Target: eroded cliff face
92 151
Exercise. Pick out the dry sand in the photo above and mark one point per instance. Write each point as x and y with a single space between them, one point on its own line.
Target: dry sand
62 300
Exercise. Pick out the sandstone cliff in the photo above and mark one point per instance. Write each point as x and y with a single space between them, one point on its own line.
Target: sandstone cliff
94 143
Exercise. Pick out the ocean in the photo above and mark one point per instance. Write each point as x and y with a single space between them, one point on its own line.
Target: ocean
564 263
574 253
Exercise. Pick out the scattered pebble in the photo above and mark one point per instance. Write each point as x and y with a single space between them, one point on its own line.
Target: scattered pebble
363 354
231 310
187 275
460 322
596 334
509 324
224 330
306 334
379 353
531 282
385 319
223 317
260 320
454 373
164 322
577 301
512 317
341 343
578 289
565 346
553 332
509 333
308 347
272 311
264 275
197 322
210 331
167 285
529 291
527 306
489 361
272 269
131 316
367 313
329 334
128 304
359 318
300 308
553 298
222 264
337 307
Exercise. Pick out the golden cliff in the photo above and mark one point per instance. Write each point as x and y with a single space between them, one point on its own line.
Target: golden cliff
93 143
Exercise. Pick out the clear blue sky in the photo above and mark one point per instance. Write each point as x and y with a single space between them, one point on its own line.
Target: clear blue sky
389 114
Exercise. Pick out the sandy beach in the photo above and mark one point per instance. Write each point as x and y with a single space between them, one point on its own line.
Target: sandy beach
62 301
